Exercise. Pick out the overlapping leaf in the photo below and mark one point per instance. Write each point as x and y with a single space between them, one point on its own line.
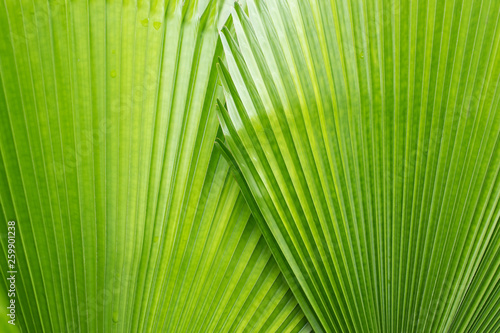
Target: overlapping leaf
127 220
367 133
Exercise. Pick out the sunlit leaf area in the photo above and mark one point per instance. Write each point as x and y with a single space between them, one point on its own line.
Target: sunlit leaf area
210 166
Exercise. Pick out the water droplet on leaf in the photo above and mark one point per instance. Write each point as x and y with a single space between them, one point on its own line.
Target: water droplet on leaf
113 73
157 25
145 22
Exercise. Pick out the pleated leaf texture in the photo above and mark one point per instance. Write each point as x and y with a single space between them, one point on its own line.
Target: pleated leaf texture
127 217
367 134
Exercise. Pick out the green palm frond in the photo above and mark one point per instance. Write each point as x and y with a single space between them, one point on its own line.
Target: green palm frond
127 219
367 133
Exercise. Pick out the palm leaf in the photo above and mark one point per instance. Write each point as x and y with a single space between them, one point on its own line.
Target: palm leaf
367 134
127 219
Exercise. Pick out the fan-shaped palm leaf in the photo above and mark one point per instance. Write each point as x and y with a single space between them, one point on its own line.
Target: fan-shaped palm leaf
368 134
127 221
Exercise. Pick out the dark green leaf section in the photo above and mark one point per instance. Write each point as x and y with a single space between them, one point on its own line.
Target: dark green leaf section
368 135
127 221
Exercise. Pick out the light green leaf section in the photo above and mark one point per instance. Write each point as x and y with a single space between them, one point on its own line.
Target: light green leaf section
367 133
127 219
5 326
